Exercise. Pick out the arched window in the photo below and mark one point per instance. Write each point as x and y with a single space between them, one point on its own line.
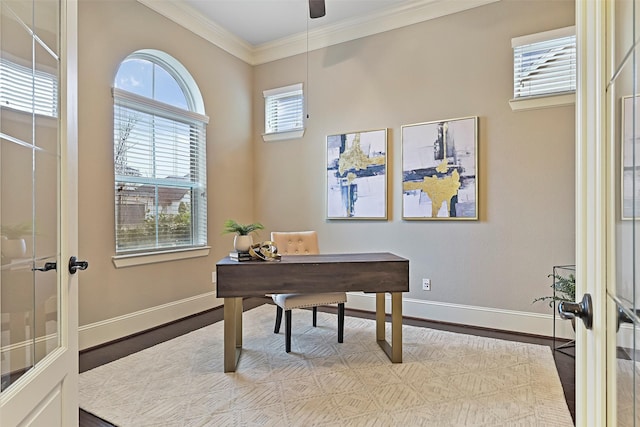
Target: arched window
159 155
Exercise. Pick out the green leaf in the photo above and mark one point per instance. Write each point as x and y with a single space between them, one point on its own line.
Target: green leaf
565 289
231 226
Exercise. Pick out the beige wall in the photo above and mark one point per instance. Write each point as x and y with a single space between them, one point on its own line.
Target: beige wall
109 31
456 66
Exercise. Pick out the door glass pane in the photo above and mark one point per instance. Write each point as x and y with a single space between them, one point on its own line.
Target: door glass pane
624 105
627 370
29 191
45 97
16 246
20 11
46 21
46 251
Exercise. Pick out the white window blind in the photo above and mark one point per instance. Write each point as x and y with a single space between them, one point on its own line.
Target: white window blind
284 109
544 63
160 175
28 90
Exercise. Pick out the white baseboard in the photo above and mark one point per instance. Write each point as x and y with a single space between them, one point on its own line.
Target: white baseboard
98 333
493 318
515 321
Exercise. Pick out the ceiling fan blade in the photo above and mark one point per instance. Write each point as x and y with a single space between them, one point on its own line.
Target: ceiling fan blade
316 8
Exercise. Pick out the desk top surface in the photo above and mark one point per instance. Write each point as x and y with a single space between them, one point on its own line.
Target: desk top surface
323 259
368 272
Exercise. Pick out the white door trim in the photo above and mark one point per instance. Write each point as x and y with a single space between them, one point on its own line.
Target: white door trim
69 204
591 210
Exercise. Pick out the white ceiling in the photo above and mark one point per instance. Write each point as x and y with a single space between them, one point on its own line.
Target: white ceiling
259 31
262 21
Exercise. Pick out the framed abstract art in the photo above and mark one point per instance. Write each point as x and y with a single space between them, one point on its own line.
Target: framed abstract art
357 175
439 170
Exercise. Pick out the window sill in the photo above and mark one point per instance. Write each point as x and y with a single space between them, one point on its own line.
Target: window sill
281 136
534 103
121 261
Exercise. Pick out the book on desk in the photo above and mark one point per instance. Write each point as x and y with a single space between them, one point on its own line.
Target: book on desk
240 256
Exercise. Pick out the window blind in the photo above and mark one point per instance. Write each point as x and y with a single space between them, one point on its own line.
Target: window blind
284 109
28 90
544 63
160 175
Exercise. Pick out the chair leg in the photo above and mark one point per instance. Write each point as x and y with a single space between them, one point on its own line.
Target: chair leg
315 316
287 329
276 330
341 322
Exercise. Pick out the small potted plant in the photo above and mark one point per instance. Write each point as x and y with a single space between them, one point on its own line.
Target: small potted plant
243 239
564 290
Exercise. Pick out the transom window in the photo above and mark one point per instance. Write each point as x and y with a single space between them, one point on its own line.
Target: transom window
159 155
283 113
544 66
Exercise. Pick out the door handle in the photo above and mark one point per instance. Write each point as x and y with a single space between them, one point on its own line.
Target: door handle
75 265
623 317
46 267
582 309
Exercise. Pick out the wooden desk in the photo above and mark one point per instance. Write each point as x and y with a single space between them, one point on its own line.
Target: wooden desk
370 272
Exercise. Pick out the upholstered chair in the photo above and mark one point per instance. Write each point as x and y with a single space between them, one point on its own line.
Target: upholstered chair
303 243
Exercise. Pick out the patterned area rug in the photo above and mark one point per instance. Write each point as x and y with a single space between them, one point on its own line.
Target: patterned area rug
446 379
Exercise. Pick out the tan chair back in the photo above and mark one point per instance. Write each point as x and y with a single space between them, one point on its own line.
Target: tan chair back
296 242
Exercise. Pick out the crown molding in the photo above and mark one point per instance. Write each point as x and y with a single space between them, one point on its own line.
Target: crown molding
386 20
352 29
197 23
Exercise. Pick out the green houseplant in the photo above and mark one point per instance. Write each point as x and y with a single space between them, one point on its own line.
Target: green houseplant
564 287
564 290
243 239
231 226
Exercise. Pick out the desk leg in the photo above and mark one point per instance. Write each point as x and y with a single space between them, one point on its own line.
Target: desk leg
239 310
396 327
380 317
232 333
393 350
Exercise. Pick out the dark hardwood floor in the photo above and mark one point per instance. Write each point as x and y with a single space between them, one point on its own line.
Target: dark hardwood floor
97 356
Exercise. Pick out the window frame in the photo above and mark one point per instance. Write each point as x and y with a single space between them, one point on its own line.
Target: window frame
193 117
550 99
271 95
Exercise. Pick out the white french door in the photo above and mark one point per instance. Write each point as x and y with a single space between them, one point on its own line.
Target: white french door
38 213
608 211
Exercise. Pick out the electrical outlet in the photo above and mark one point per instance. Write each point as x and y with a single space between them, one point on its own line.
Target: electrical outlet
426 284
213 277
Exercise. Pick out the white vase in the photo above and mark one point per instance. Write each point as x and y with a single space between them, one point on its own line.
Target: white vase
242 243
14 248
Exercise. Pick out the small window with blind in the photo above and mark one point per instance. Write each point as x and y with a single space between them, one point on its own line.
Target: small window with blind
159 156
283 113
544 69
25 89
